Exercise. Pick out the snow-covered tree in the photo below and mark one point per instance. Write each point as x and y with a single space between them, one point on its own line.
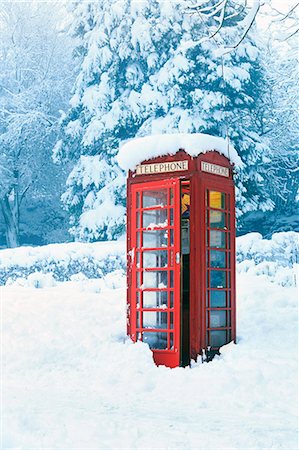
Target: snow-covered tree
277 119
34 82
148 67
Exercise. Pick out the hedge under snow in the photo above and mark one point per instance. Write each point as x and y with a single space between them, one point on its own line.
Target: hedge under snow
62 261
274 258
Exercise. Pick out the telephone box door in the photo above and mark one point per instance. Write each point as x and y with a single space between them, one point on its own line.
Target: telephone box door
154 249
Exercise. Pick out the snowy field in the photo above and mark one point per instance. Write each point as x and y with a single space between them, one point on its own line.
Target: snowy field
72 380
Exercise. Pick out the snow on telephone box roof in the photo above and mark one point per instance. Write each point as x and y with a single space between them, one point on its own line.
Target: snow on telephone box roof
138 150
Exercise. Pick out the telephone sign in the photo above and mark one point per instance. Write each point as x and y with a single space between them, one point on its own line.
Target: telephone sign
213 168
175 166
181 256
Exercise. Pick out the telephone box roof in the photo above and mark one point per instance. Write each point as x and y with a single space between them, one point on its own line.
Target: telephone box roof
141 149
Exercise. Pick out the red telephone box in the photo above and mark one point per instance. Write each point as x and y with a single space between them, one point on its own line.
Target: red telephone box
181 256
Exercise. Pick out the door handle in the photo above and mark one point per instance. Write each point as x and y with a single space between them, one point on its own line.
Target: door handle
177 258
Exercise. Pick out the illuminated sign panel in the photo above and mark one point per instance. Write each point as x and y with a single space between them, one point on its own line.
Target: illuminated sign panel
164 167
213 168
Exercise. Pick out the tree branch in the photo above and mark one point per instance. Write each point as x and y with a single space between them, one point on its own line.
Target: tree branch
248 21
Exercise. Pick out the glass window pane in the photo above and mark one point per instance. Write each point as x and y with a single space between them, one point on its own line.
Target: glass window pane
171 341
171 299
138 322
218 299
217 278
155 218
171 278
171 320
153 319
228 260
185 236
216 199
138 223
171 196
154 198
155 340
217 239
155 258
137 299
138 199
228 298
157 299
228 222
155 279
138 239
216 219
155 238
217 338
139 276
217 259
218 319
171 217
171 237
138 259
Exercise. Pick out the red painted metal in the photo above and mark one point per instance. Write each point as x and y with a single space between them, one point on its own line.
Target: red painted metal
204 331
169 273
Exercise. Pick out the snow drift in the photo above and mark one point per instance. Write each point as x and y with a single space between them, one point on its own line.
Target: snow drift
72 379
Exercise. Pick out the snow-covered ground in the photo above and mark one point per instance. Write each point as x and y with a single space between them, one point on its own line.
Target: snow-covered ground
72 380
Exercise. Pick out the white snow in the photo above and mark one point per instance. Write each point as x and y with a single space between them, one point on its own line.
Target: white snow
72 380
36 279
62 261
28 256
282 249
137 150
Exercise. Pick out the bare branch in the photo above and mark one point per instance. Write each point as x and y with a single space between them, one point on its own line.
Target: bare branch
285 16
290 35
222 17
218 12
248 22
203 9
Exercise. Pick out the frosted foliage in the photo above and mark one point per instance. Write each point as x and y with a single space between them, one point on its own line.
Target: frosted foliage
92 185
73 128
148 68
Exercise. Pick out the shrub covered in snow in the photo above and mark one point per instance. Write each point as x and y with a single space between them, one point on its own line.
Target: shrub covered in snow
276 258
38 280
60 261
283 248
273 258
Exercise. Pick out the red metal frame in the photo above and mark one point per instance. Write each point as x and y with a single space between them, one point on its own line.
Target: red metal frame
200 183
170 355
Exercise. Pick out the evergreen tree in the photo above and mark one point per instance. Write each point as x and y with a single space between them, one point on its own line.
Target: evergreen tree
148 67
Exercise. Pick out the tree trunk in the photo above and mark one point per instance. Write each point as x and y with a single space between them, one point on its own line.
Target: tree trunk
10 210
